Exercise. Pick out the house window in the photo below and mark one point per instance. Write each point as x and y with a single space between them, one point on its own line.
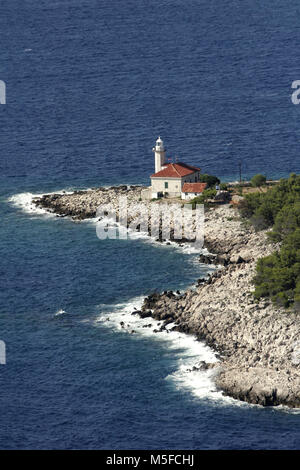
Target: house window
166 185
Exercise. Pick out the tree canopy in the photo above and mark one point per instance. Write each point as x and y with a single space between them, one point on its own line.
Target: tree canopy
209 179
278 275
258 180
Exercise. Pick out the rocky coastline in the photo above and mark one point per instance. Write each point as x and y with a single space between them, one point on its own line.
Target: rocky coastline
257 344
81 205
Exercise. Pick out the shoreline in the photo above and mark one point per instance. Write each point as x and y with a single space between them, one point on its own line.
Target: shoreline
254 340
83 204
189 353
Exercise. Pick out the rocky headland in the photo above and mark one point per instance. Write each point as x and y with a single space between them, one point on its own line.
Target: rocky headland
84 204
257 343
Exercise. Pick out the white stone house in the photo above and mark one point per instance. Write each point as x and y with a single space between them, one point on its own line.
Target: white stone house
169 178
191 190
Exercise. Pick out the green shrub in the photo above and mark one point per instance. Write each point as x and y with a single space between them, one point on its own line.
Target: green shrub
278 275
207 194
258 180
211 180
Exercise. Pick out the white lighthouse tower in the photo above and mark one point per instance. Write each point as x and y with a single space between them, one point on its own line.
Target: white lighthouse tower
159 154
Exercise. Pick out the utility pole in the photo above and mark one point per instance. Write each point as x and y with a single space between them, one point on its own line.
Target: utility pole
240 170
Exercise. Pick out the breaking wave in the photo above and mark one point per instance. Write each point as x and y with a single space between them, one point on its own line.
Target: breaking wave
188 352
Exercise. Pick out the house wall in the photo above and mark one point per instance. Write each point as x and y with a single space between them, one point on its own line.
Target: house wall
194 178
189 195
174 184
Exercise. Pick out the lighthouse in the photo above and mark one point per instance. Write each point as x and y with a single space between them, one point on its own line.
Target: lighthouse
159 155
169 178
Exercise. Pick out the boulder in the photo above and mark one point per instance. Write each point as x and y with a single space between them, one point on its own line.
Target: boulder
236 259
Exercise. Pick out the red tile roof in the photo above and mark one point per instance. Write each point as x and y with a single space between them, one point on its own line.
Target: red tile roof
194 187
175 170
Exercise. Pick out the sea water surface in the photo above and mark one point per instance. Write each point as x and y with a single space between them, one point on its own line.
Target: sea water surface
90 86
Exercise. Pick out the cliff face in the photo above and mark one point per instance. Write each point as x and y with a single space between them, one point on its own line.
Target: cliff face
257 342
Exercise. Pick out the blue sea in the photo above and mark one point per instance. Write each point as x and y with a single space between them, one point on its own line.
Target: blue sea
90 86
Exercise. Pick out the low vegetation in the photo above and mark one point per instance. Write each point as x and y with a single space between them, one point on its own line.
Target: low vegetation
204 197
258 180
210 180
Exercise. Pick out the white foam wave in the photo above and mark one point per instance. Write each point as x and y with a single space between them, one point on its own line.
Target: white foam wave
25 202
188 352
59 312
